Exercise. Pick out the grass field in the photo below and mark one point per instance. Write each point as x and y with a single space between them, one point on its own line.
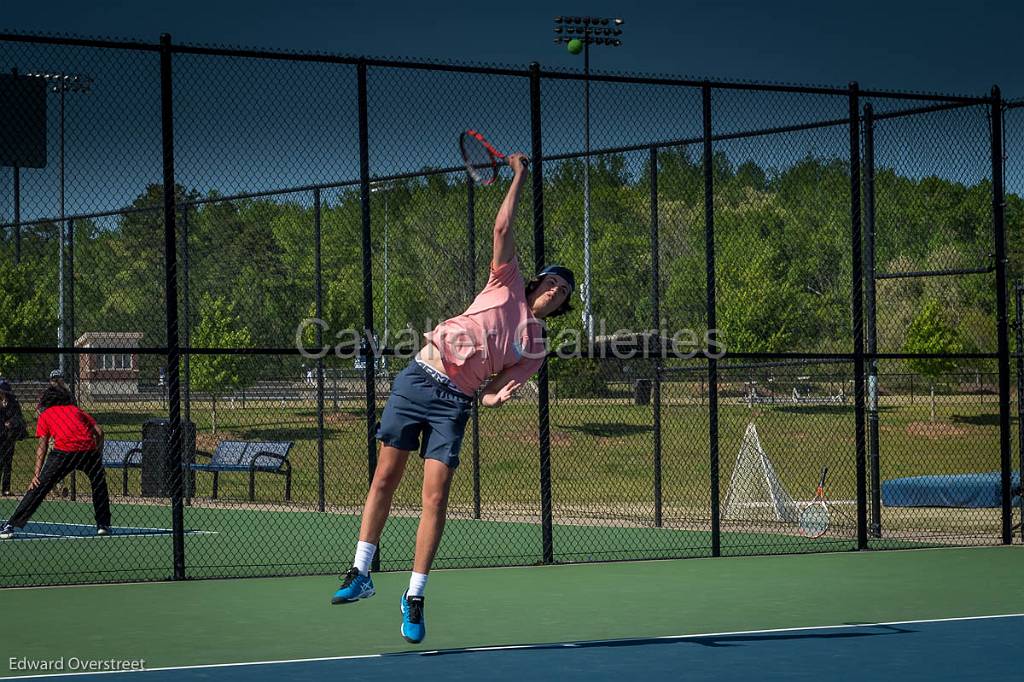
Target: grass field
602 452
602 488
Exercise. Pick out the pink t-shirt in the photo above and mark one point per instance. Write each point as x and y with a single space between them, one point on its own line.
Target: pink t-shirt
497 332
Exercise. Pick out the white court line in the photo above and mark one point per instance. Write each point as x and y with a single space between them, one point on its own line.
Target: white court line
168 533
159 532
511 647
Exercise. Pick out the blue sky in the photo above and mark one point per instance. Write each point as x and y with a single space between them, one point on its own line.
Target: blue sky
936 45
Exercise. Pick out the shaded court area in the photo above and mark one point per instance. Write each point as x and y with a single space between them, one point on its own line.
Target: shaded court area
910 650
935 614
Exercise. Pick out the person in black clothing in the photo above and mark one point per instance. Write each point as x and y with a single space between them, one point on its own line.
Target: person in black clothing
12 429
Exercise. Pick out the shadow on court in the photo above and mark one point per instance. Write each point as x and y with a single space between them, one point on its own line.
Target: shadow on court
714 641
976 419
606 430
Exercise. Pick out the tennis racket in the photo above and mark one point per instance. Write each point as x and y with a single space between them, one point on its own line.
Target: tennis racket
814 517
482 158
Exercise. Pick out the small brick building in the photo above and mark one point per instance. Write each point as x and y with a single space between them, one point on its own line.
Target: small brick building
108 375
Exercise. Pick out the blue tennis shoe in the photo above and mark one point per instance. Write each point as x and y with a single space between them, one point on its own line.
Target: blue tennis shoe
354 586
414 625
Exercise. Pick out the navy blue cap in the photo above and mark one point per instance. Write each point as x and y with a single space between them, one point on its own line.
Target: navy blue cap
564 273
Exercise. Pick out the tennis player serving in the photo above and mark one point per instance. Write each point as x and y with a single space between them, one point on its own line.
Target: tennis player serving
493 347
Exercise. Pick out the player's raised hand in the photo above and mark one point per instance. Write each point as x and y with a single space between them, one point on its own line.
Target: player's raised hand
519 162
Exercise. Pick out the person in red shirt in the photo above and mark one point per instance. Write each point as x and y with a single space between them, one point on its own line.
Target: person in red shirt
77 444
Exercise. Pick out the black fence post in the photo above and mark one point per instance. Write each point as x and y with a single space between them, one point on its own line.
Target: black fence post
366 348
656 318
72 359
872 335
709 264
318 284
186 322
17 215
999 229
17 204
170 271
475 410
536 154
1018 326
73 370
857 290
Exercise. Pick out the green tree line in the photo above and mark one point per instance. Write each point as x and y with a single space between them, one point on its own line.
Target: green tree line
782 250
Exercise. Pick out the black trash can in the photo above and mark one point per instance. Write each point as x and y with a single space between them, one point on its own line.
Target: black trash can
642 392
159 473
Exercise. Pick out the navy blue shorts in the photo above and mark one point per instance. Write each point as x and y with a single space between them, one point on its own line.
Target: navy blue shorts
420 405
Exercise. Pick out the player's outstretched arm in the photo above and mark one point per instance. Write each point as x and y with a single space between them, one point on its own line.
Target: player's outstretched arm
41 450
504 235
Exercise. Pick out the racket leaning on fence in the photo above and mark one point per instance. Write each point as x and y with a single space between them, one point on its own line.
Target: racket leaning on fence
814 518
482 158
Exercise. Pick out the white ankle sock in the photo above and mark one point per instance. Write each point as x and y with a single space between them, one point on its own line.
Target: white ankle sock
364 555
417 583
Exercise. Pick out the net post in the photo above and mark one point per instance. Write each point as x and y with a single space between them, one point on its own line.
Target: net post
171 297
537 169
709 264
370 362
870 319
656 319
857 298
999 230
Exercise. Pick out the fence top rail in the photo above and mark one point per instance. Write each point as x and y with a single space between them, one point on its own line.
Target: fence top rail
494 69
77 41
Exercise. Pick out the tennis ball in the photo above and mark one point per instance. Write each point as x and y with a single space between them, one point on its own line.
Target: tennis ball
575 46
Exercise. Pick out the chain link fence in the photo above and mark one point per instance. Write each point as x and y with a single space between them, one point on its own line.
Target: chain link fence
773 280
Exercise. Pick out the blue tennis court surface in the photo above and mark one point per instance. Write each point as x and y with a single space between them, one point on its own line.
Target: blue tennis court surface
950 649
43 530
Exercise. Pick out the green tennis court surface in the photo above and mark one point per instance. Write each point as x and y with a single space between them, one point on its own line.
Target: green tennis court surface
852 615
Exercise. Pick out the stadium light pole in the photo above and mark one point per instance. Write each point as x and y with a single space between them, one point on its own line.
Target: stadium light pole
61 82
602 31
